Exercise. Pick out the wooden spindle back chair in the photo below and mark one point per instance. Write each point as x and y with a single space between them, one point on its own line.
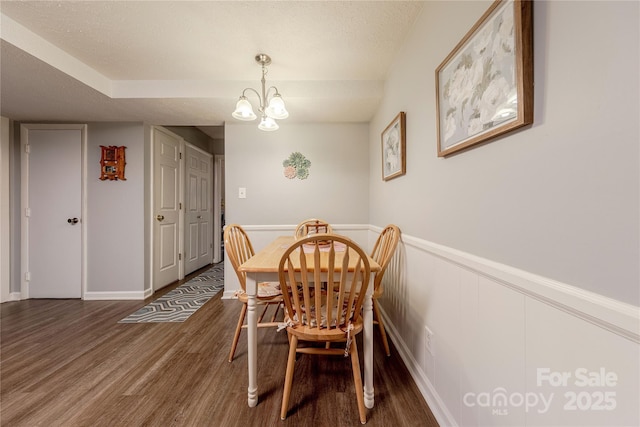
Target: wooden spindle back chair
382 253
314 225
239 249
324 279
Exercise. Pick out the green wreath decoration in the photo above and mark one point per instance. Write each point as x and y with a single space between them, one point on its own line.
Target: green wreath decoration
296 166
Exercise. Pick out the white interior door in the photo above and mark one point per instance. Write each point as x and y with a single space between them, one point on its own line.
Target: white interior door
198 238
53 211
166 212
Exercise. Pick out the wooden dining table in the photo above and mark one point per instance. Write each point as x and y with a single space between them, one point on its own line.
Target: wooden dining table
263 267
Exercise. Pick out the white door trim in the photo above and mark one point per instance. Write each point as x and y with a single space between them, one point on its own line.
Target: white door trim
24 202
218 175
5 224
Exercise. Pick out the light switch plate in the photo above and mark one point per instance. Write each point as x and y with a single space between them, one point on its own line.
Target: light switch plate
242 193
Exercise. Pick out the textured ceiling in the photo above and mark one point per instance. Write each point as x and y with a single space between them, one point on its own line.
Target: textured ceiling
186 62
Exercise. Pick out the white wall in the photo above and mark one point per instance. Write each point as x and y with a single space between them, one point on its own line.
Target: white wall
560 198
522 254
336 189
117 234
194 135
115 215
115 224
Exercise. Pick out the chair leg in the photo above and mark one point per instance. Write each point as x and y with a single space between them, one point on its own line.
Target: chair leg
275 313
376 314
288 379
243 312
266 307
357 379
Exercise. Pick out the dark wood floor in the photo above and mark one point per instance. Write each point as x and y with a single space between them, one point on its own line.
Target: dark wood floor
70 363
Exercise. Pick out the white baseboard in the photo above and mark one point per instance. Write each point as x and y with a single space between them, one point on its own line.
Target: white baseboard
229 295
106 296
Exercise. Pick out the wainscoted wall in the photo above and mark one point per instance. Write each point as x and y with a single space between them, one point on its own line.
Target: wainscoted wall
520 255
502 338
507 347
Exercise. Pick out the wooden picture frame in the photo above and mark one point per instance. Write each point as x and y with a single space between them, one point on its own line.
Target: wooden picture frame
393 144
112 162
484 87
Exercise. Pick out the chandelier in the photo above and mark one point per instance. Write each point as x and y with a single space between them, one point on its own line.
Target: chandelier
270 109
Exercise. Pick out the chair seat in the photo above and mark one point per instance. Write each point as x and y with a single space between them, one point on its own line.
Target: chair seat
307 330
267 291
308 333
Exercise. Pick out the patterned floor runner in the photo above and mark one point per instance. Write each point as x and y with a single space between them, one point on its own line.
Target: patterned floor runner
177 305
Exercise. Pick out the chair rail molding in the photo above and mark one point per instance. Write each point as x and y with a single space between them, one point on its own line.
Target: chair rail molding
616 316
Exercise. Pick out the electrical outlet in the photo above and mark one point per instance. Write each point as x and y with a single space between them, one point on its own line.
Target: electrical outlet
428 340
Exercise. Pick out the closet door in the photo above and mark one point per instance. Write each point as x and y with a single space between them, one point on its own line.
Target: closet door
198 239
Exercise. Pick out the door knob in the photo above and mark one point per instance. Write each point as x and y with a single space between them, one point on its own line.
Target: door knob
199 217
160 217
73 221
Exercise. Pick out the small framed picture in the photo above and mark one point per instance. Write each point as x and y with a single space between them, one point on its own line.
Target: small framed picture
393 148
112 162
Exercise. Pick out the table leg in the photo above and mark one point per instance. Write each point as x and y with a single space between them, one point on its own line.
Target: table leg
368 351
252 341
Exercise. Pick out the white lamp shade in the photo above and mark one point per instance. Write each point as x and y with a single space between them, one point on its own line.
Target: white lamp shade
244 111
268 124
276 108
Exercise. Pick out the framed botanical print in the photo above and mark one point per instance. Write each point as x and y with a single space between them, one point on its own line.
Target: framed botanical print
484 87
393 145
